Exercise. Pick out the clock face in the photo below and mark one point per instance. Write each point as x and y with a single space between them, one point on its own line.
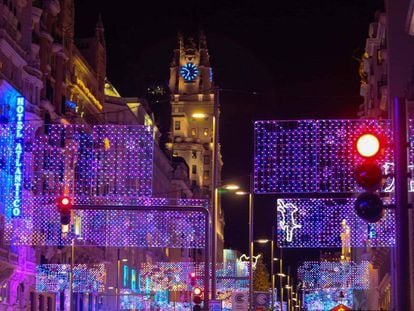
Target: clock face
189 72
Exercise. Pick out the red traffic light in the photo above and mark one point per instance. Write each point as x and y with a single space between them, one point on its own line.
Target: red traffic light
64 207
64 202
368 145
197 291
193 278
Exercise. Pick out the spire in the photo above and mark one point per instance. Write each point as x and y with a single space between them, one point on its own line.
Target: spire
99 30
202 41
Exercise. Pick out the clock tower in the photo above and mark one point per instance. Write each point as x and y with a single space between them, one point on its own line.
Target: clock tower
193 110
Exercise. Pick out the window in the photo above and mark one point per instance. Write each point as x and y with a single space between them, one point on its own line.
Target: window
206 160
20 295
206 174
194 154
3 292
205 133
177 125
193 132
194 169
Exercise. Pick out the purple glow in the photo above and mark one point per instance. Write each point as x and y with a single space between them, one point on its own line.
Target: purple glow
312 155
319 223
139 228
174 276
335 275
53 278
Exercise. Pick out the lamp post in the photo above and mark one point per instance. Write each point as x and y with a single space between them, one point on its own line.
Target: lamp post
251 240
281 276
214 186
272 260
251 250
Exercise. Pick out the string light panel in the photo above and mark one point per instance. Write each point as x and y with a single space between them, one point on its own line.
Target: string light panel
54 278
335 275
327 299
131 228
175 276
330 223
308 156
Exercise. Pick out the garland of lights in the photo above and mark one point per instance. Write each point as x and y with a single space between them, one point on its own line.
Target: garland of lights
175 276
317 223
107 165
131 228
53 278
313 155
327 299
335 275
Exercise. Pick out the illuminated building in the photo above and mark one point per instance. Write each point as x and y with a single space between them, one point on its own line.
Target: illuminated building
20 86
191 137
386 73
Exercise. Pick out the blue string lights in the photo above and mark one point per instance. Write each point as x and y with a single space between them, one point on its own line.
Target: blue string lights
327 299
54 278
132 228
174 276
336 275
106 165
318 223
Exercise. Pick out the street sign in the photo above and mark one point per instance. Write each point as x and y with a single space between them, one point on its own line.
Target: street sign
261 300
239 301
215 305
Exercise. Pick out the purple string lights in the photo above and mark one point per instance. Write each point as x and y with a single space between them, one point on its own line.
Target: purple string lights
335 275
53 278
319 223
105 165
312 155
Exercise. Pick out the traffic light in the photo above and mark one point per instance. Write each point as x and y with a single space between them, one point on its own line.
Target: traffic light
197 298
64 207
368 175
193 278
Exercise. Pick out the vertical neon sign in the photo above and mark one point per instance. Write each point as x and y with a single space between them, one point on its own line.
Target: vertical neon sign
17 164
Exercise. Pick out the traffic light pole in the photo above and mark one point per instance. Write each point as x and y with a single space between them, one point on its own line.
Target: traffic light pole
402 266
165 208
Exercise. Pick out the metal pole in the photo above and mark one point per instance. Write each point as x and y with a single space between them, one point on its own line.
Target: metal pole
214 194
281 280
288 289
251 250
72 260
118 268
402 268
206 262
272 258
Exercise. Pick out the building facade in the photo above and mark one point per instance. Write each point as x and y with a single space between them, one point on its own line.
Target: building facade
193 105
386 74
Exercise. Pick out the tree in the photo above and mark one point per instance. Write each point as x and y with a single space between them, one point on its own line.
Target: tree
261 277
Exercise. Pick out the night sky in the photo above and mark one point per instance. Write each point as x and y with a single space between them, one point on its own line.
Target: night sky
291 59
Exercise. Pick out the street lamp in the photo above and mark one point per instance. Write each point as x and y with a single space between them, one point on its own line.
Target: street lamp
251 241
272 260
214 188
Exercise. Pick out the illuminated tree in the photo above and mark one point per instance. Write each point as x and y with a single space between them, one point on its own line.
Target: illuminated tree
261 277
